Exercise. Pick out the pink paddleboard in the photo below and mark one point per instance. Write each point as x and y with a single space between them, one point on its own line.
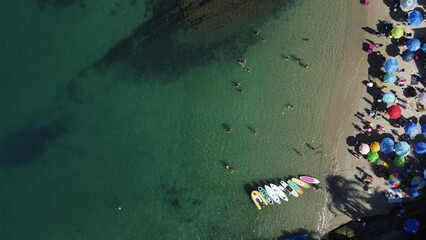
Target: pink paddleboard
310 180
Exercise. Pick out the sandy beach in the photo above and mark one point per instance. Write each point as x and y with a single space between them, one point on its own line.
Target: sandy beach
349 198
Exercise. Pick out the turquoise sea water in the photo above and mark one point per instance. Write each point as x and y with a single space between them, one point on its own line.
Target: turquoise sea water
89 124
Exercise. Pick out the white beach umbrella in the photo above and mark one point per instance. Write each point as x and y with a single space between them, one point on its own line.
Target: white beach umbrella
422 98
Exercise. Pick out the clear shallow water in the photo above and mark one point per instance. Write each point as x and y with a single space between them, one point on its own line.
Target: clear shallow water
84 132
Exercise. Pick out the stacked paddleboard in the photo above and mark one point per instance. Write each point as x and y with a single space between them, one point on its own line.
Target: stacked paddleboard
275 193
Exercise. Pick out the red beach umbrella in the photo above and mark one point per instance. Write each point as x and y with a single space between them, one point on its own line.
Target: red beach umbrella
394 112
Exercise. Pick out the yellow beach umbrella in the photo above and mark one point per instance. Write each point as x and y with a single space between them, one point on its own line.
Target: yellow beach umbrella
397 32
375 146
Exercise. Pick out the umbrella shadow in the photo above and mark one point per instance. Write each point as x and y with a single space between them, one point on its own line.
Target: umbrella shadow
349 198
392 50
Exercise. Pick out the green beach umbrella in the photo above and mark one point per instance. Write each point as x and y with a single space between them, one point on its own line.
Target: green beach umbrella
373 157
399 161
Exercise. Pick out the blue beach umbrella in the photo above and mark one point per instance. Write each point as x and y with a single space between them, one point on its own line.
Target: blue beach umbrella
402 149
389 78
407 5
423 47
387 145
411 129
388 97
424 129
415 18
411 226
391 65
420 148
413 44
408 56
414 192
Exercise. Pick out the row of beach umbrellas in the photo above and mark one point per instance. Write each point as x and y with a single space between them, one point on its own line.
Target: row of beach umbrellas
416 182
387 146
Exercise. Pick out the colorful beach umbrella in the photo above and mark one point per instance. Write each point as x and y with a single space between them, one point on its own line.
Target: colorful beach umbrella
408 5
387 145
418 182
402 149
408 56
375 146
394 180
364 148
422 98
397 32
389 77
394 111
413 44
373 157
420 148
415 18
391 65
414 193
411 129
399 161
411 226
388 98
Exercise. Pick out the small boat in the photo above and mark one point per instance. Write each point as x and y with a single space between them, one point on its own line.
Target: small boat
310 180
272 194
258 200
295 187
289 189
300 183
265 195
280 193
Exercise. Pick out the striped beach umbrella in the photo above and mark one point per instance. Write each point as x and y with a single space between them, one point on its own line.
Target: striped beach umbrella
399 161
415 18
397 32
391 65
388 98
418 182
389 77
402 149
420 148
394 180
387 145
408 5
413 44
373 157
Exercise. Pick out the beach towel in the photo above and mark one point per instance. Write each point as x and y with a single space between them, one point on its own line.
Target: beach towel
401 82
414 80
